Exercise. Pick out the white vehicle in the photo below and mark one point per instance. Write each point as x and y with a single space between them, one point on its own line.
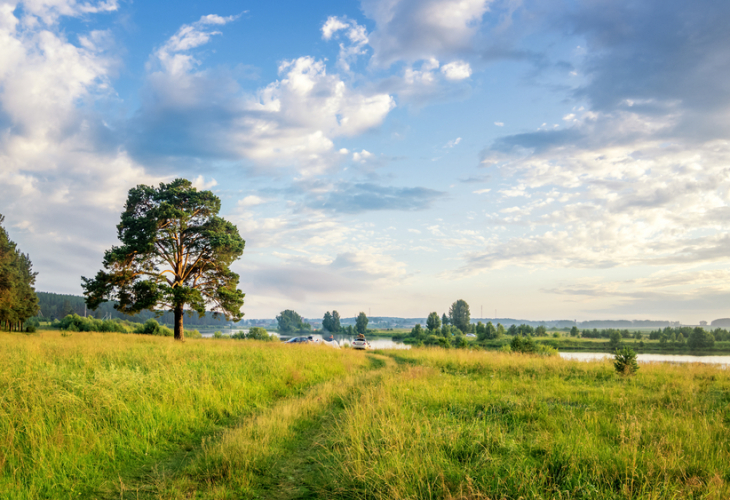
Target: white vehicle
360 344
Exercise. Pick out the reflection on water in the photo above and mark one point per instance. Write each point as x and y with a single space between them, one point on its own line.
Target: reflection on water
651 358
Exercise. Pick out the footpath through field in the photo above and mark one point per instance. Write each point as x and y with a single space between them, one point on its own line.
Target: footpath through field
271 454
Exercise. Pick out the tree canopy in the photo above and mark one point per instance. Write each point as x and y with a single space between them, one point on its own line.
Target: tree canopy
433 322
289 322
18 300
175 253
331 322
459 315
361 324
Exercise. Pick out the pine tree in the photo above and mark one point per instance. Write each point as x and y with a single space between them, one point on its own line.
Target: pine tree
18 300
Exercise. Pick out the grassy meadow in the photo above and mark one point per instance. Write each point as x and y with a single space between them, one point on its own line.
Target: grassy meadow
127 416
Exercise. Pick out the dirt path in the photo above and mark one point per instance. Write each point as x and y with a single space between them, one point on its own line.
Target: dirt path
269 455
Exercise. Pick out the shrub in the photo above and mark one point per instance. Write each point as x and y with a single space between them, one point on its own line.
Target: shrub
152 327
193 334
258 333
625 361
31 325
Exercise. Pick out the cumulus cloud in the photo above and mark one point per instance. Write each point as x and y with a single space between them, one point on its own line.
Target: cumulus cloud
413 30
291 122
172 54
457 70
201 184
355 39
64 174
611 192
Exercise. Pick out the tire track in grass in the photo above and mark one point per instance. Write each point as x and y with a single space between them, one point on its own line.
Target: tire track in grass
268 455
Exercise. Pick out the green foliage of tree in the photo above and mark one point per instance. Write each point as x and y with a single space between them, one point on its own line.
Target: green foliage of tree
512 330
574 332
500 331
433 322
615 339
361 324
525 330
259 333
152 327
624 361
700 339
481 330
523 344
327 321
540 331
417 331
336 326
459 315
175 253
444 319
18 300
290 322
331 322
76 323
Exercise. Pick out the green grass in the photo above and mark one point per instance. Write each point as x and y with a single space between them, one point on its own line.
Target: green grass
79 413
125 416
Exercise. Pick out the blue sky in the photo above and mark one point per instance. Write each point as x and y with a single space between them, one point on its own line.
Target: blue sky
543 159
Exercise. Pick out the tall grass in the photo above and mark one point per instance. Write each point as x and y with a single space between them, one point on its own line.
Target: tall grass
486 425
78 413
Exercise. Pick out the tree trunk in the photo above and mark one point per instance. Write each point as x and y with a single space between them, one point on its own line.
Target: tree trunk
179 333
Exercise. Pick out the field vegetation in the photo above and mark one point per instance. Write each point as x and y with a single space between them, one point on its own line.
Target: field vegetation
108 415
82 413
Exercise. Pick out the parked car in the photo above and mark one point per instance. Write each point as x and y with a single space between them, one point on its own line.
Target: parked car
360 344
297 340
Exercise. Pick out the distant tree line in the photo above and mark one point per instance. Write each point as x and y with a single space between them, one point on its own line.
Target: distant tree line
18 300
57 306
289 322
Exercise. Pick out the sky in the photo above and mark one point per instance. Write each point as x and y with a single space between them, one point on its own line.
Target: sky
540 159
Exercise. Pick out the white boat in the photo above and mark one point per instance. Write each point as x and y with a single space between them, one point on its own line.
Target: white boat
360 344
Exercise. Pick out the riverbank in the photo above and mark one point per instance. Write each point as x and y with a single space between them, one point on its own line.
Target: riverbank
139 417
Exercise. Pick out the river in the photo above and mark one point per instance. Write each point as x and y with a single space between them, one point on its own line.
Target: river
651 358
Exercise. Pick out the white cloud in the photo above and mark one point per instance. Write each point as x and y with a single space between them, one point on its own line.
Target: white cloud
635 200
356 39
250 201
452 143
499 124
291 122
362 156
482 191
457 70
412 30
188 37
332 26
200 183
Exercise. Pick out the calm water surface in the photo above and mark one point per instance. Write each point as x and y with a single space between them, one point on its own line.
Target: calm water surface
651 358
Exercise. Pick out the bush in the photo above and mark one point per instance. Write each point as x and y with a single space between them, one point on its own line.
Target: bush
624 361
31 325
193 334
76 323
259 333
